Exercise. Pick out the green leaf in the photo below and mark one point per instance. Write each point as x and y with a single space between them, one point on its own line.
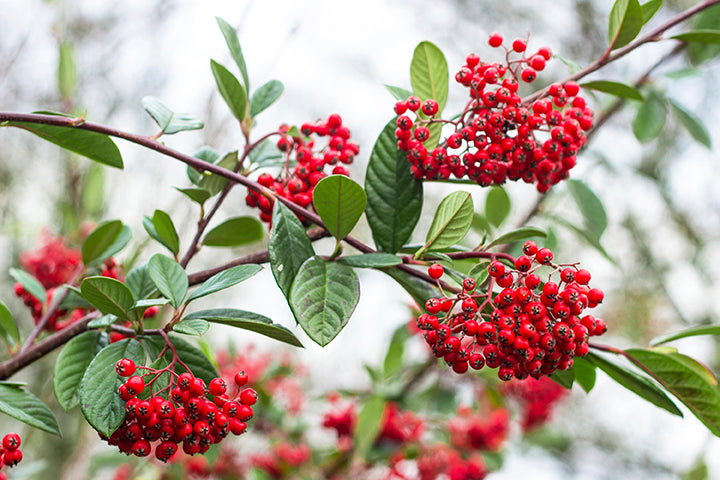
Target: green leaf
100 240
394 355
371 260
251 321
101 322
368 424
518 235
95 146
161 228
67 73
265 96
233 44
235 232
340 202
649 9
197 195
699 471
29 283
108 295
26 407
398 93
690 332
71 364
585 235
323 297
429 75
699 36
196 360
689 385
435 133
139 282
638 384
169 278
418 289
99 401
585 373
590 206
149 302
288 248
195 327
214 183
479 272
708 19
497 205
93 190
614 88
230 89
650 118
225 279
692 124
170 122
564 378
8 326
451 222
394 197
626 21
206 154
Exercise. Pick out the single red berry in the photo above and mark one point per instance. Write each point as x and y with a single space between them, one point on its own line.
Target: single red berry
519 45
400 107
248 396
530 248
413 103
582 276
125 367
12 457
334 121
528 74
237 427
571 88
430 107
135 385
537 62
495 39
185 381
217 386
241 379
11 441
469 284
496 269
545 52
595 295
436 271
544 256
141 448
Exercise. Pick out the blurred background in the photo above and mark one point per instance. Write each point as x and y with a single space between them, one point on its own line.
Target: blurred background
657 261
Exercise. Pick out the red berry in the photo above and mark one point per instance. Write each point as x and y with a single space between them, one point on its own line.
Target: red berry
400 108
135 385
12 457
544 256
430 107
519 45
528 74
436 271
11 441
496 269
495 39
248 396
125 367
217 386
582 276
241 379
413 103
537 62
545 52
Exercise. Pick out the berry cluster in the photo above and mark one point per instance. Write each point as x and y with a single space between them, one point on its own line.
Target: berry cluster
527 329
309 160
10 452
473 431
189 416
53 263
497 137
442 462
537 398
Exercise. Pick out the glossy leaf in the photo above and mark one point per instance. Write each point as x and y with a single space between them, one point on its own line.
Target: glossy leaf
26 407
8 327
626 21
371 260
251 321
199 364
649 9
650 118
110 296
636 383
100 240
206 154
225 279
29 283
699 36
265 96
197 195
214 183
288 248
564 378
451 222
230 89
100 404
194 327
235 232
585 373
590 206
692 123
497 205
323 297
139 282
690 332
104 321
614 88
429 74
340 203
169 278
368 424
394 197
517 235
161 228
399 93
170 122
71 364
418 289
231 39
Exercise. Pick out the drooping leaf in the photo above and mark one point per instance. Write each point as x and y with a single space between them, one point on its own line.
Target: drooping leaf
230 89
585 373
692 123
108 295
649 9
233 43
214 183
234 232
626 21
517 235
399 93
225 279
323 297
690 332
26 407
139 282
368 424
429 74
699 36
29 283
650 118
265 96
340 202
169 278
71 364
564 378
590 206
8 327
194 327
288 248
371 260
251 321
161 228
99 240
708 19
451 222
497 205
170 122
614 88
394 197
197 195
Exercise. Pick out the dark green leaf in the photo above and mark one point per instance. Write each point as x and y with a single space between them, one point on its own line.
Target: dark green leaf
690 332
225 279
614 88
692 124
497 205
429 75
626 21
233 44
585 373
699 36
394 356
206 154
8 327
100 240
95 146
518 235
288 248
451 222
198 363
265 96
564 378
399 93
161 228
590 206
195 327
650 118
235 232
100 403
638 384
169 278
71 364
108 295
197 195
139 282
27 408
368 424
708 19
371 260
251 321
230 89
323 297
170 122
394 197
418 289
340 202
104 321
214 183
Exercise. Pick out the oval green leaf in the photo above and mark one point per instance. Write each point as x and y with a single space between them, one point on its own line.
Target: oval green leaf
170 122
165 231
371 260
590 206
197 195
230 89
699 36
169 278
265 96
451 222
340 202
231 39
692 123
368 424
614 88
235 232
194 327
497 205
225 279
214 183
8 327
288 248
626 21
29 283
139 282
429 75
649 9
100 240
71 364
26 407
108 295
650 118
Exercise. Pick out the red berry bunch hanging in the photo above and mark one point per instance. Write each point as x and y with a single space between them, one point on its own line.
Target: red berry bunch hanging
498 137
529 328
193 414
305 160
10 451
537 398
